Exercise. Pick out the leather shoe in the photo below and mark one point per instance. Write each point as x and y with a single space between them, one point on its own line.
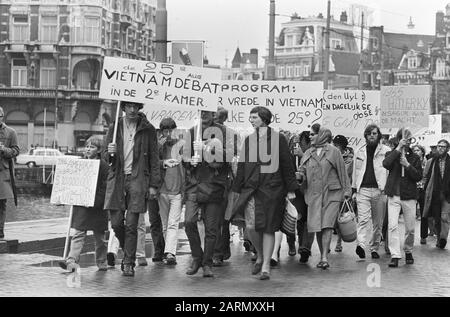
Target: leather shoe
394 262
207 272
142 262
128 270
264 276
423 241
442 243
409 258
111 259
360 252
257 268
273 263
375 255
195 266
292 251
304 256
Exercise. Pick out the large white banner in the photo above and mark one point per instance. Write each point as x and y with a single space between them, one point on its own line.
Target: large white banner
75 182
405 106
185 118
163 85
349 112
296 105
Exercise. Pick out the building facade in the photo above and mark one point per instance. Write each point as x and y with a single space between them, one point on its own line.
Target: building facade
244 67
440 68
300 51
396 59
51 55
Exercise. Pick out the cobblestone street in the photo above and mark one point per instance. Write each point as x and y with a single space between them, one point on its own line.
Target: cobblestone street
34 275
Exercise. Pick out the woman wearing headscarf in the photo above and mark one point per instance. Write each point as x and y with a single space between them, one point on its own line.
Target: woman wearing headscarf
322 171
263 180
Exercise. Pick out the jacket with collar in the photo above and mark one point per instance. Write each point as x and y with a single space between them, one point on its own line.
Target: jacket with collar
413 174
145 172
360 163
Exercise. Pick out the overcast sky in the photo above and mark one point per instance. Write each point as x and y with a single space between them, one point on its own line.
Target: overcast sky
225 24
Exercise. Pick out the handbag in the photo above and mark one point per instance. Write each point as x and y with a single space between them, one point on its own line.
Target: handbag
289 219
347 222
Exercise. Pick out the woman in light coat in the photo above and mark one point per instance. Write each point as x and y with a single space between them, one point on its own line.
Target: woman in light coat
323 174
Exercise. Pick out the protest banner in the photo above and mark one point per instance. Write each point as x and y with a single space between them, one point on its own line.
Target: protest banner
188 53
296 105
349 112
185 118
160 84
405 106
75 182
432 134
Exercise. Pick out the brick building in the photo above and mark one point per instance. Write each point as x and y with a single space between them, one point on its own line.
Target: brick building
51 54
300 51
405 57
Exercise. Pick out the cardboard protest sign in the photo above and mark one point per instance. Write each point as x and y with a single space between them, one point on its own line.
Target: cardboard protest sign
405 106
349 112
432 134
75 182
296 105
160 84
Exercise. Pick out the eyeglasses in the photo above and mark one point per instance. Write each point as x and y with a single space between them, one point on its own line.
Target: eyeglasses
442 146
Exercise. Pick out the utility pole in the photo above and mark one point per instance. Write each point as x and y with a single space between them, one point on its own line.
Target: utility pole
361 75
161 32
381 58
327 48
271 60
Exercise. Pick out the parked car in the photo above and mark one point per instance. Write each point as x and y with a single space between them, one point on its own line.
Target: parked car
41 156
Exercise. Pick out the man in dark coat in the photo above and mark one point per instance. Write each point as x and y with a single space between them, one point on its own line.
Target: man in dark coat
401 189
437 192
206 180
133 177
8 151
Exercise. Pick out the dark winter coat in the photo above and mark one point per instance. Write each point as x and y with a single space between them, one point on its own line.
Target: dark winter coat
93 218
268 189
207 181
145 171
413 174
9 139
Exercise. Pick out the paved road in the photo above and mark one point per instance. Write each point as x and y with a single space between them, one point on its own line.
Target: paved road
25 275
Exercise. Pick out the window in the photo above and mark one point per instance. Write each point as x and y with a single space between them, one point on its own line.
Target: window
48 73
281 71
297 71
289 72
412 62
91 31
374 43
20 28
306 69
108 36
440 68
49 29
131 42
19 73
336 44
289 40
86 30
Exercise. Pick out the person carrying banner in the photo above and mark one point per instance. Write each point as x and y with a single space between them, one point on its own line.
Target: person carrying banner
368 182
8 151
91 218
405 170
133 178
206 180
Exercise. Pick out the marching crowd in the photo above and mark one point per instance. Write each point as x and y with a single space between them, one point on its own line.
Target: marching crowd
219 178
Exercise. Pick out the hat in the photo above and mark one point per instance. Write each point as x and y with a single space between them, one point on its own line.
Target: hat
340 140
